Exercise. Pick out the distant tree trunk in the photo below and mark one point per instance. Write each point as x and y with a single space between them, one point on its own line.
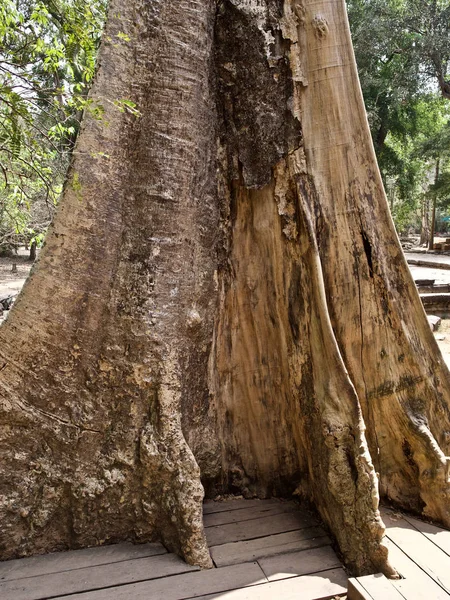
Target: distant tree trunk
433 207
425 223
33 247
222 302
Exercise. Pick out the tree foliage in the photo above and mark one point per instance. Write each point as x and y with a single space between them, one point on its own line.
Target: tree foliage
402 51
47 62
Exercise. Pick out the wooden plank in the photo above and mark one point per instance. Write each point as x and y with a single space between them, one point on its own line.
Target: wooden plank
210 506
93 578
240 552
416 585
429 557
299 563
437 535
356 591
76 559
372 587
320 586
180 587
246 514
257 528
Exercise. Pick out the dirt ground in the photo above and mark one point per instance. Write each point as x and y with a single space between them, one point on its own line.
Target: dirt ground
11 282
442 336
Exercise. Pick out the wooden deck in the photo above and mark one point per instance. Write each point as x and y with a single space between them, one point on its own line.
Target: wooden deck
421 554
262 550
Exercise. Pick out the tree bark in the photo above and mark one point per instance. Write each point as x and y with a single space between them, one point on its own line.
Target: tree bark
33 247
222 298
425 222
433 207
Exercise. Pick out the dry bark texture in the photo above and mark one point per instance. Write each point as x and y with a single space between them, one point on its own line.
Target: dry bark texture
234 309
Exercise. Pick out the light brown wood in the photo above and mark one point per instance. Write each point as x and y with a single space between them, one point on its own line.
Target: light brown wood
257 528
76 559
320 586
238 552
372 587
180 587
93 578
299 563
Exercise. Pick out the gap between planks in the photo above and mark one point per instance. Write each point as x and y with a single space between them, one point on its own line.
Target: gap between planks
282 543
303 554
42 587
411 546
248 514
416 584
250 580
439 536
232 504
71 560
257 528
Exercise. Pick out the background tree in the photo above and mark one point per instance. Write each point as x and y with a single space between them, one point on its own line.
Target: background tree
47 60
394 45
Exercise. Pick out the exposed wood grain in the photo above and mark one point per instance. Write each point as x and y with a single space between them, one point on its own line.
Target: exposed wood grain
239 552
76 559
320 586
416 585
299 563
246 514
257 528
184 586
93 578
429 557
372 587
210 506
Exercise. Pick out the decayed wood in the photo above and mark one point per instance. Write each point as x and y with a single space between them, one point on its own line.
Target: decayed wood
257 528
93 578
181 587
238 552
76 559
372 587
299 563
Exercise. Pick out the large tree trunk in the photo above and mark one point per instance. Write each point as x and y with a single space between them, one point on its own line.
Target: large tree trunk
222 298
